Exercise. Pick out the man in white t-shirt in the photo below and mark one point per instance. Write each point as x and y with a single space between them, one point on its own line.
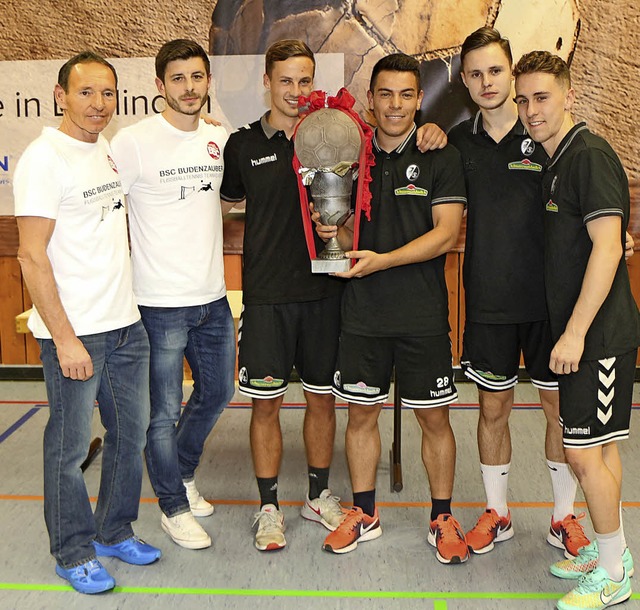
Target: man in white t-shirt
75 261
171 168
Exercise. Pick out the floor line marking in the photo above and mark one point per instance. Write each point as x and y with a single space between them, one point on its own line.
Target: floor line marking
437 595
221 502
11 429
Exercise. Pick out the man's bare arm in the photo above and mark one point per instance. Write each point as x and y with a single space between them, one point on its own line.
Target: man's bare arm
35 233
596 284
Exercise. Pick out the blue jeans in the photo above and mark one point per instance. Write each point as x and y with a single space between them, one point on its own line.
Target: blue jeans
205 335
120 384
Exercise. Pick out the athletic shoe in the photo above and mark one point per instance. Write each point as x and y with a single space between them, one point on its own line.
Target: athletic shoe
568 535
185 531
132 550
270 534
586 561
447 536
198 505
325 509
356 527
490 528
90 577
595 590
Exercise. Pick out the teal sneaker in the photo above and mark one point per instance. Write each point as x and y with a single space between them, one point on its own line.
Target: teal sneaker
586 561
595 590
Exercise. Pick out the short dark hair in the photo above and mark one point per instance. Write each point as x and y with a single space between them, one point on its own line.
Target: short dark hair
181 48
543 61
483 37
396 62
85 57
282 50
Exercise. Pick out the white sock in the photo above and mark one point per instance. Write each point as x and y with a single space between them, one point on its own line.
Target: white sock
609 556
564 486
623 540
496 480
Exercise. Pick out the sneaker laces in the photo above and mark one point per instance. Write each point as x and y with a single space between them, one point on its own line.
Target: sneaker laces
592 582
330 504
90 567
267 521
353 518
449 528
487 522
574 529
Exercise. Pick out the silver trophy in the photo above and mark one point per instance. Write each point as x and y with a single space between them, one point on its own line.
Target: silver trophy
327 144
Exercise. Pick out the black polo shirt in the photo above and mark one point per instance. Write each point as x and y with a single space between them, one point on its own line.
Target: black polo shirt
585 181
503 261
410 300
276 266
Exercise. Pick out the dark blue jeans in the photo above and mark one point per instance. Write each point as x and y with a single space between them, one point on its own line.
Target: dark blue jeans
120 385
204 334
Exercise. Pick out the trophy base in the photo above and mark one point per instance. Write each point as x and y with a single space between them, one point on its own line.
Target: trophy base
325 265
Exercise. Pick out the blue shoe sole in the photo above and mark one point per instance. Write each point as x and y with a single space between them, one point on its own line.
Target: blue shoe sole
137 558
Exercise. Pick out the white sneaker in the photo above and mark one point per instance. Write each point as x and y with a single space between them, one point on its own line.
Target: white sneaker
325 509
185 531
270 534
199 506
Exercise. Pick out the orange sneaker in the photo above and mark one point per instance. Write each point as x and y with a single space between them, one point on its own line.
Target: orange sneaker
446 534
490 528
356 527
568 535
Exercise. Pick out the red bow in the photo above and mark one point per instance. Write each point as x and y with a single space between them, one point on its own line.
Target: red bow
318 99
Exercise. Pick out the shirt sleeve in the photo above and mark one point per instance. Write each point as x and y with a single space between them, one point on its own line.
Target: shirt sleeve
232 188
601 184
449 185
37 181
126 155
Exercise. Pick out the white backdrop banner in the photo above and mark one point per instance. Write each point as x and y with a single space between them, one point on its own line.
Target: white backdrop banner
27 105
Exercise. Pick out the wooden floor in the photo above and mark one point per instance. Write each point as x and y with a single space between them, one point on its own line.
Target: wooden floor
397 571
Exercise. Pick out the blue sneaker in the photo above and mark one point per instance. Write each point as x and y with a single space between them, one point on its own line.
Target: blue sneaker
90 577
132 550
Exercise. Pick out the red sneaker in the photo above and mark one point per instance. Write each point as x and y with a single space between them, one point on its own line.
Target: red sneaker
490 528
356 527
568 535
446 534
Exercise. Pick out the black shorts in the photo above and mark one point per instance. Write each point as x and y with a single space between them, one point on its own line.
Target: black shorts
491 354
423 370
595 401
272 339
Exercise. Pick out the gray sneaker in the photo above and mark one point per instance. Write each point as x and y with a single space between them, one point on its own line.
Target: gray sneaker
185 531
270 534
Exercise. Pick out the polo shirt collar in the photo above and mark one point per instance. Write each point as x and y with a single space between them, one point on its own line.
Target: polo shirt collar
566 142
402 146
269 131
478 126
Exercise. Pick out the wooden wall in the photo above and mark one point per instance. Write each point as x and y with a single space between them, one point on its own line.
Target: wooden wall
16 348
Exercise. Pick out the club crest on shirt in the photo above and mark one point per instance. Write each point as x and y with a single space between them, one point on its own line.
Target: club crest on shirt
526 164
527 147
412 173
214 150
112 163
243 376
411 189
336 379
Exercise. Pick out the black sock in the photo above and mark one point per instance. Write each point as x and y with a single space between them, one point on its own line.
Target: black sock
366 500
318 481
268 489
440 507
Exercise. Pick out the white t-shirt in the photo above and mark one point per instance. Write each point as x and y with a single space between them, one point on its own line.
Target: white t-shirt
172 182
77 184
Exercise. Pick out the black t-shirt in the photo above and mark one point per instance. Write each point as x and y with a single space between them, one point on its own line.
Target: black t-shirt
276 265
585 181
410 300
503 261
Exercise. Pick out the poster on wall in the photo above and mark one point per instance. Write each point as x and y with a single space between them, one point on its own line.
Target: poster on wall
27 104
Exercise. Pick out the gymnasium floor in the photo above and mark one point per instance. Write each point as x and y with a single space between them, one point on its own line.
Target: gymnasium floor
397 571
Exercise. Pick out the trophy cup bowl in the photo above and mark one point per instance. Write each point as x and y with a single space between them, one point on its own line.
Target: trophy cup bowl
328 144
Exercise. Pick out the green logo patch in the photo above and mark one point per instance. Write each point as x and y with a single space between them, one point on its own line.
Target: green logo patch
267 382
526 164
551 206
411 189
